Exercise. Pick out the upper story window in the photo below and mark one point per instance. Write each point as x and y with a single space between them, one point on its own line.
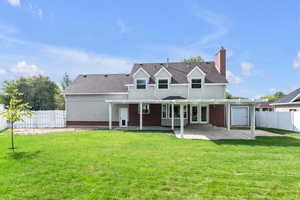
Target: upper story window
140 84
196 83
163 84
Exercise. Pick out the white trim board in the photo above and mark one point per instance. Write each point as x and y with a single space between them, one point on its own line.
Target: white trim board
196 67
162 68
109 93
142 70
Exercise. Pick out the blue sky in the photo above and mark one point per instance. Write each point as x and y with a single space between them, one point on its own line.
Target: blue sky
53 37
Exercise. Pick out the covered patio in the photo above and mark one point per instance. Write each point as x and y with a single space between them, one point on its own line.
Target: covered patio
217 133
181 132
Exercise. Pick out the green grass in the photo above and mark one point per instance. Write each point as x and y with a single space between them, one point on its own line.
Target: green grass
279 131
133 165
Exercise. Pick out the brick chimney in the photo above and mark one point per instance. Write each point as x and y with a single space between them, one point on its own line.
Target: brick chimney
220 61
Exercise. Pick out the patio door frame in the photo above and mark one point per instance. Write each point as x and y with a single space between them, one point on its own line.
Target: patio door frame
199 114
207 114
191 114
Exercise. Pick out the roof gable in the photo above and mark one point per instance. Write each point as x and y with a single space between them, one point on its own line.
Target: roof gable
180 70
196 68
141 70
162 70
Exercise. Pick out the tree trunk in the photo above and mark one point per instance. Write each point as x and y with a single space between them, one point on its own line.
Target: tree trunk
12 137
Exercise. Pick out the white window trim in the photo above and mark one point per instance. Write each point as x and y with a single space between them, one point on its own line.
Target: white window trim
207 114
135 83
169 108
162 105
157 83
201 78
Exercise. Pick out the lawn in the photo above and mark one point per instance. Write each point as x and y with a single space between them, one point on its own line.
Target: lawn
133 165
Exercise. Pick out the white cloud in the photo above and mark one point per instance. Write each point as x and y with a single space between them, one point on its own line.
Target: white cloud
82 59
220 26
26 69
36 11
247 68
232 78
16 3
123 27
2 71
296 63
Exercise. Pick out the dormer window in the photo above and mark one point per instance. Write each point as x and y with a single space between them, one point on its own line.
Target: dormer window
141 84
196 83
163 83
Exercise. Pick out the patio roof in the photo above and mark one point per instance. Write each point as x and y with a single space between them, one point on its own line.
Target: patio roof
187 101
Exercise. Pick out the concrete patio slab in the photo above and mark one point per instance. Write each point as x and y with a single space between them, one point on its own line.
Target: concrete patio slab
215 133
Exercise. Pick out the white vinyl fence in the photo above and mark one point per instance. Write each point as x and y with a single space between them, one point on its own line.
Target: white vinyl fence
279 120
3 124
44 119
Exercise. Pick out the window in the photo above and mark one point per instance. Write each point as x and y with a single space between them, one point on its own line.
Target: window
293 110
196 83
163 83
146 109
164 111
177 111
141 84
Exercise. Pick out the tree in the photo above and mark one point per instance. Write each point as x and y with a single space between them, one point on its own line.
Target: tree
228 96
273 98
66 81
39 92
194 59
15 111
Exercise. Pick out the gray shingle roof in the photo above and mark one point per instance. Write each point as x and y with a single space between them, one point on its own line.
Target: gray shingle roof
288 98
99 83
180 70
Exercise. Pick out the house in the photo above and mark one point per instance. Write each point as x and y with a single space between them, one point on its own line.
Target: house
288 103
264 106
172 94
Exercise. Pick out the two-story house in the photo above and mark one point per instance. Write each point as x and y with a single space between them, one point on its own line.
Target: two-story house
173 94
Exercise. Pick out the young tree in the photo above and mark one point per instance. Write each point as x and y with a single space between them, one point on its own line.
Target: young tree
15 111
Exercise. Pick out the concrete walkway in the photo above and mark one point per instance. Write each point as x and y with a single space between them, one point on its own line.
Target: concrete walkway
216 133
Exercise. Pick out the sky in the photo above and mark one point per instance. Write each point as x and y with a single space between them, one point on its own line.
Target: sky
262 38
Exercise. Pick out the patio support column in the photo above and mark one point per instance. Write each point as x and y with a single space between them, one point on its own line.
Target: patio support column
141 116
110 116
172 116
181 121
228 117
253 134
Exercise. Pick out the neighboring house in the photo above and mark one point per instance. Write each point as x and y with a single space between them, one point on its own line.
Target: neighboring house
290 102
264 106
156 94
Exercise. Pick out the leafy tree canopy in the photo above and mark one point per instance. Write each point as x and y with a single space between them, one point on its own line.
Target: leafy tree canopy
39 92
273 98
194 59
